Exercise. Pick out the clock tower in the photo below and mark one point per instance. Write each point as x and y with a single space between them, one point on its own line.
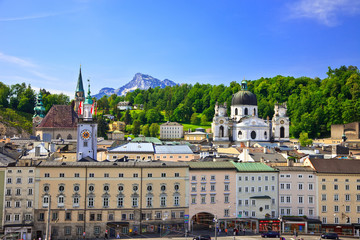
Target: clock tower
86 129
280 123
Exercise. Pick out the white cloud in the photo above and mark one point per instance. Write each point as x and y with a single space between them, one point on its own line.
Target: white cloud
325 11
16 60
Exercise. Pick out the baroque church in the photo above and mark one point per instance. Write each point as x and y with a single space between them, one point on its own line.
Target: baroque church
244 125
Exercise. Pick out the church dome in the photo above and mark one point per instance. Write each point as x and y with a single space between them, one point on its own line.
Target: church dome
244 97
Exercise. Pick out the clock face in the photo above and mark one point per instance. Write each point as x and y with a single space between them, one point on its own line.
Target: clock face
85 134
221 121
282 121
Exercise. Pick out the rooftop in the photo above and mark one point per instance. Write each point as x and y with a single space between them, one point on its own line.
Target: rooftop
253 167
211 165
113 164
336 166
173 149
60 116
134 147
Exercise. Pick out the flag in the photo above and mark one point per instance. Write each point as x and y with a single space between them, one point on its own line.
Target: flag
81 108
92 108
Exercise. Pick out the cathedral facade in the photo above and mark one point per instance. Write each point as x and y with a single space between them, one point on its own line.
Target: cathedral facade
244 124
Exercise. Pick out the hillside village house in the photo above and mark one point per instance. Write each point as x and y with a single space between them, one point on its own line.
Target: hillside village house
123 106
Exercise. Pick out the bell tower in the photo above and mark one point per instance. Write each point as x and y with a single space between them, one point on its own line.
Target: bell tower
86 129
79 93
280 123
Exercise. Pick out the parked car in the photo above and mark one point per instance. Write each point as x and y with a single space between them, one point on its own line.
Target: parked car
330 236
202 237
270 234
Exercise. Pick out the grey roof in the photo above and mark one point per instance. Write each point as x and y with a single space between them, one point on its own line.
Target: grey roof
272 157
173 149
274 145
5 160
106 142
295 169
171 124
134 147
157 164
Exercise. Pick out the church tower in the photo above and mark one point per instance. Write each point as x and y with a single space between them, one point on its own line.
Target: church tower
221 123
79 93
39 112
280 123
86 129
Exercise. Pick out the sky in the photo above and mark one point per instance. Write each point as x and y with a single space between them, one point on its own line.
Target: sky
43 43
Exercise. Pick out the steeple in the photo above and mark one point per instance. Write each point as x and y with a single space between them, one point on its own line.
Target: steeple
79 87
88 99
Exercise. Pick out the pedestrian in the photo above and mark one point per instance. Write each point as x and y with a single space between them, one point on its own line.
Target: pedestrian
244 231
226 231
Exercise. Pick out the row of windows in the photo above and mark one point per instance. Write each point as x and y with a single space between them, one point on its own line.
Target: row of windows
212 178
107 175
336 187
253 178
106 187
300 186
18 180
254 189
336 208
212 187
336 197
253 214
111 217
336 220
299 176
18 191
106 201
336 180
20 171
246 202
8 204
300 211
212 199
287 199
17 217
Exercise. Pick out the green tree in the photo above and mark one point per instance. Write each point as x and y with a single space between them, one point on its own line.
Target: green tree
127 117
203 120
102 127
4 94
304 139
136 127
152 116
154 129
195 120
145 130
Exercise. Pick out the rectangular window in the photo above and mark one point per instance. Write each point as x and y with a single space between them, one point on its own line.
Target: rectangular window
347 208
76 175
336 208
212 187
30 180
121 175
193 199
135 202
226 187
323 197
301 211
177 174
212 198
336 197
68 216
91 175
203 199
323 208
8 192
92 216
226 212
80 217
311 199
324 220
212 177
90 202
282 185
336 187
311 186
311 212
203 187
67 231
323 187
62 175
226 199
106 175
288 186
149 201
347 197
105 202
47 174
163 175
227 177
30 191
193 178
18 180
99 217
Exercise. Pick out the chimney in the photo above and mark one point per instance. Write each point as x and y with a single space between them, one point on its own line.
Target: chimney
290 162
248 144
265 150
262 159
37 151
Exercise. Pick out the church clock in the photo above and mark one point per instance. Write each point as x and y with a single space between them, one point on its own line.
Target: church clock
85 134
282 122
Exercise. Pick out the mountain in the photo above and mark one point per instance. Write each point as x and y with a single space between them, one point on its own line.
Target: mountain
141 81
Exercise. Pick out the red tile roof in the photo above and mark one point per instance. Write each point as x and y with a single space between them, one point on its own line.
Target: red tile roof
340 166
60 116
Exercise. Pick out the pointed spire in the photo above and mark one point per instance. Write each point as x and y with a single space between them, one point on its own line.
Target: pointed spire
80 87
88 97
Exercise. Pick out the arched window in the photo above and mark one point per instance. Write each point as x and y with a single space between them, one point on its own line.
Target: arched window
58 136
265 135
236 111
246 111
253 135
221 131
282 132
239 135
69 136
254 112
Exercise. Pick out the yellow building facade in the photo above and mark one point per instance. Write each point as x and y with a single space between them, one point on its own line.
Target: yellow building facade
118 199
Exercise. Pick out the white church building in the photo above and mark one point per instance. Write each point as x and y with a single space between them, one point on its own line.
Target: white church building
244 124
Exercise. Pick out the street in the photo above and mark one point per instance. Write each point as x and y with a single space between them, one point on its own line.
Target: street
287 237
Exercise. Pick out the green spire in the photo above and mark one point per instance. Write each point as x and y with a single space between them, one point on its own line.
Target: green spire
244 85
79 87
39 109
88 99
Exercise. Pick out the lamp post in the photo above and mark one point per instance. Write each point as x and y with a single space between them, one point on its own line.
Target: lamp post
215 221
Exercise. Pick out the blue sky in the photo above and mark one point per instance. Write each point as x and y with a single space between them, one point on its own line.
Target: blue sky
44 42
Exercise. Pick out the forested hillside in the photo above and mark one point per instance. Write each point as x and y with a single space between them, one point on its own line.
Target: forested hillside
17 104
313 104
